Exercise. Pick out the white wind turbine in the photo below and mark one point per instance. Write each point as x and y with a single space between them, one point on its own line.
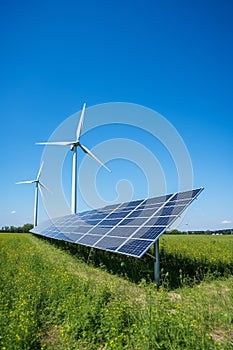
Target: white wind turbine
39 185
73 147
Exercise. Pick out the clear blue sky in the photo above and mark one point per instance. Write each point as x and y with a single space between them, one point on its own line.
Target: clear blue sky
172 56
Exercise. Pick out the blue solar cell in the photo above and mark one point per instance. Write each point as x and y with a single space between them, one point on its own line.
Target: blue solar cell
135 213
132 204
133 221
160 220
149 232
75 222
48 234
143 213
110 222
85 217
122 231
135 247
66 239
60 236
135 203
109 243
93 222
64 229
54 234
83 229
87 214
97 216
187 194
178 202
170 211
75 228
51 234
152 208
89 240
98 230
156 200
49 227
118 214
74 236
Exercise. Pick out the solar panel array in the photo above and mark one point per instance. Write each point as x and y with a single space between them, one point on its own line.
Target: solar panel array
128 228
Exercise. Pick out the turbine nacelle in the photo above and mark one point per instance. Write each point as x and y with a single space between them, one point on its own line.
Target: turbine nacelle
75 144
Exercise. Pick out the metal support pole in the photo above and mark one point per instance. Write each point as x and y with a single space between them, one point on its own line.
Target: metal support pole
36 204
74 182
156 263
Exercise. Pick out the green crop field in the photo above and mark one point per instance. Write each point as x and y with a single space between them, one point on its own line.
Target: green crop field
51 299
215 249
189 258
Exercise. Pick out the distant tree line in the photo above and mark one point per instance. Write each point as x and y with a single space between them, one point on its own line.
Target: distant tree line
21 229
27 227
207 232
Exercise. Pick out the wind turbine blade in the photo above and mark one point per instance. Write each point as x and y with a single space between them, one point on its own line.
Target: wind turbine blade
56 143
80 124
39 172
86 150
41 192
43 186
25 182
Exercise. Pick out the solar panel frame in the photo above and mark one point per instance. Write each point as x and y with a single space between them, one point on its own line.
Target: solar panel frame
85 239
118 227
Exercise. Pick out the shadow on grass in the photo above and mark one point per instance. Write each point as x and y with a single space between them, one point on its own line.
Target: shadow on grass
176 271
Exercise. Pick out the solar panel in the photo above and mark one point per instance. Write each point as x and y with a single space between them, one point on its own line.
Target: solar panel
128 228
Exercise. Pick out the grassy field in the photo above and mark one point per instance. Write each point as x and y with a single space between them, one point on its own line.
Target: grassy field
50 299
189 259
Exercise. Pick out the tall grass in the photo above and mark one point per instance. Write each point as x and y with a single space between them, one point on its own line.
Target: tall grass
51 300
184 259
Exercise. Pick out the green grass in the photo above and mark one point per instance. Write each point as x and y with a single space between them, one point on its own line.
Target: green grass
49 299
184 259
201 247
190 258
